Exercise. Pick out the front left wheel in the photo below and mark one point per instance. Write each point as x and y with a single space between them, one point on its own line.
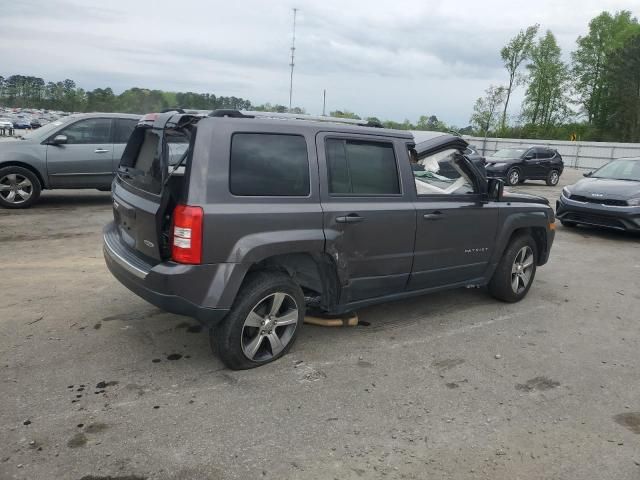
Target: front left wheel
263 323
514 275
19 187
513 176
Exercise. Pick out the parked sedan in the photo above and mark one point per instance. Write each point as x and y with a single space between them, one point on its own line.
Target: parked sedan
608 197
517 165
6 124
78 151
21 123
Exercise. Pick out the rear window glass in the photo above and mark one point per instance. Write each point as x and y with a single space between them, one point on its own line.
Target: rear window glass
268 165
143 155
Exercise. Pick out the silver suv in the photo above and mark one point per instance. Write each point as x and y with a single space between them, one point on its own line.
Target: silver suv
78 151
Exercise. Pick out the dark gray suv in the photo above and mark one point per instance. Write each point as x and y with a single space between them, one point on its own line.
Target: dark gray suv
245 223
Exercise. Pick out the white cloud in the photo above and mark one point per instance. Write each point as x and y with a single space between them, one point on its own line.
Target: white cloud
394 60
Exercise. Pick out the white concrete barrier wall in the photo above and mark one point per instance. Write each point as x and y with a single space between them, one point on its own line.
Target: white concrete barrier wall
587 155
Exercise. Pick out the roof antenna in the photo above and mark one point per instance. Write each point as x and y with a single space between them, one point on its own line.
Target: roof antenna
293 52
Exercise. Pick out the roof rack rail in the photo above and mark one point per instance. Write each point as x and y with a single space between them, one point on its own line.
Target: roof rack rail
292 116
227 112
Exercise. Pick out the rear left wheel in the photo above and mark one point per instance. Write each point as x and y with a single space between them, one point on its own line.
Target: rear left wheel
552 178
263 322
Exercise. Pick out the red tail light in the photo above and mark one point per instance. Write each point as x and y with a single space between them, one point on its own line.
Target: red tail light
186 234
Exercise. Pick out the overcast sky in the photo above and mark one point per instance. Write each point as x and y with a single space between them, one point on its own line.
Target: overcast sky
396 60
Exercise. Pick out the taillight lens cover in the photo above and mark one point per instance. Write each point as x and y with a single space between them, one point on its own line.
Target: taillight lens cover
186 234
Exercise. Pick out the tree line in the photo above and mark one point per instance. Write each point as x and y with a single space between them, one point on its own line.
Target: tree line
20 91
595 96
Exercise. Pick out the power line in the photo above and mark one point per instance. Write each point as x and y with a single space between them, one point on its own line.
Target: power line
293 52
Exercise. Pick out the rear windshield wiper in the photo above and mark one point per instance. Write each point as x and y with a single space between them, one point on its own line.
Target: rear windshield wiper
176 166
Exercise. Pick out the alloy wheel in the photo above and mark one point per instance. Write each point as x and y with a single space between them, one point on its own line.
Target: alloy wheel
522 270
514 177
269 327
15 188
554 177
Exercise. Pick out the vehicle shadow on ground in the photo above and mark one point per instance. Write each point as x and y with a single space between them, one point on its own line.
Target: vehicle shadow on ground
167 337
586 231
81 199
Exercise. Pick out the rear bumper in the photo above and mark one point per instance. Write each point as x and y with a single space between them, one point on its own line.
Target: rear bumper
607 216
176 288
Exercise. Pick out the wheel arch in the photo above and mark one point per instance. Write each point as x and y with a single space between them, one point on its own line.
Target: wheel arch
534 224
316 273
539 236
31 168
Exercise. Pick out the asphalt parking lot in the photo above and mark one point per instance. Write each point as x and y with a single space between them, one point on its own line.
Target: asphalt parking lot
98 384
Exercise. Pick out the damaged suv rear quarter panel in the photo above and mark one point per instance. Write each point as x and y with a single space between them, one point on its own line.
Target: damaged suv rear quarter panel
245 230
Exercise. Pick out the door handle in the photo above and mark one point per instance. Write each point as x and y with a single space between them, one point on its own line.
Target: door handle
437 215
351 218
100 150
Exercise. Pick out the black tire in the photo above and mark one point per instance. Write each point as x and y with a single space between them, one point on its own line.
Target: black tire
227 339
553 177
501 286
513 176
34 188
520 182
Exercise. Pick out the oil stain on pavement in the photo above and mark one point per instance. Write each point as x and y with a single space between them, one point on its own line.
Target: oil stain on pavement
630 420
537 383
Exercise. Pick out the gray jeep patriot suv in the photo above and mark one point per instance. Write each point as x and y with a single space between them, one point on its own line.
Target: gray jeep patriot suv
246 222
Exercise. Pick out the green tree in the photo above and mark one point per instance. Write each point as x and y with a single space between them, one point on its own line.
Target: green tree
344 114
486 110
513 55
546 100
590 61
431 123
100 100
623 78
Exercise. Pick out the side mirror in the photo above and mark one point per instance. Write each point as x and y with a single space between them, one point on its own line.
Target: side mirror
495 189
588 174
59 140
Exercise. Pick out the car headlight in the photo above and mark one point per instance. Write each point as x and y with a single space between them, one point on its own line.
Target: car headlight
634 202
566 193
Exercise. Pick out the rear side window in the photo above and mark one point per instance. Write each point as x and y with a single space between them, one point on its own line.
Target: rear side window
361 168
542 153
265 164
